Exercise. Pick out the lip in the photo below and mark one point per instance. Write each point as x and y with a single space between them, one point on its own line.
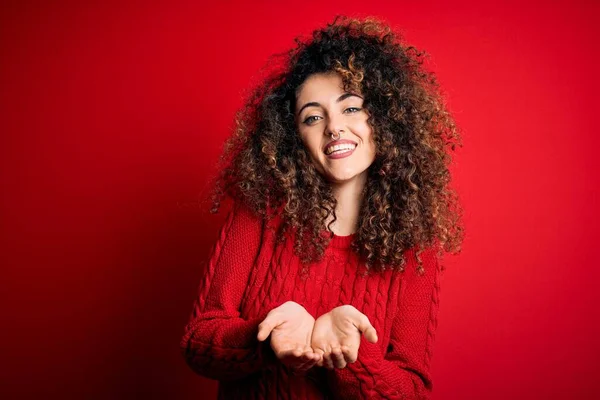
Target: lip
340 141
341 155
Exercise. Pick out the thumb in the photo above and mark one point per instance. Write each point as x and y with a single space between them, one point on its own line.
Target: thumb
265 328
371 335
364 325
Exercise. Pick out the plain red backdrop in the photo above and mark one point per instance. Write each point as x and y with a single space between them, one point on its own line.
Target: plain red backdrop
114 113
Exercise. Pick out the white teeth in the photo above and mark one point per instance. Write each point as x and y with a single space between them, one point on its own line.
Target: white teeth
346 146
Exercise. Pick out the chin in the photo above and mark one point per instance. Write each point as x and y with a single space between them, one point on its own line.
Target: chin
341 178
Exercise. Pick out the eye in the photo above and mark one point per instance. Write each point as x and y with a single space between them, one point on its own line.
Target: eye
352 110
311 119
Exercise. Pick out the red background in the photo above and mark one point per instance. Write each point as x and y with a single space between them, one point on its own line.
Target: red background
113 116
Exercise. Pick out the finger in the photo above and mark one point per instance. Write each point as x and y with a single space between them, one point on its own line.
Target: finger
306 359
308 364
290 358
317 357
320 357
312 355
308 350
265 328
364 325
327 361
298 353
349 355
371 335
288 351
338 358
319 361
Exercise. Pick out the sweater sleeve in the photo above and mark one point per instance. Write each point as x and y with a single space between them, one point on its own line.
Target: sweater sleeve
403 371
217 342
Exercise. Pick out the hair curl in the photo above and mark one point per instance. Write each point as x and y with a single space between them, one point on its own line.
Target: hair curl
407 200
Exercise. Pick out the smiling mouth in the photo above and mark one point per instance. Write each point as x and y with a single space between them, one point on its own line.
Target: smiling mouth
340 148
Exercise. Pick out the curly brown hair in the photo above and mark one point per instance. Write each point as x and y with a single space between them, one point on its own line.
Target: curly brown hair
407 200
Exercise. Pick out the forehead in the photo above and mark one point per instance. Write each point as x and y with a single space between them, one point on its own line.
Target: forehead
320 86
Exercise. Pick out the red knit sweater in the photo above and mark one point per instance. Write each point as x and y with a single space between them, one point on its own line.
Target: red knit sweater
248 275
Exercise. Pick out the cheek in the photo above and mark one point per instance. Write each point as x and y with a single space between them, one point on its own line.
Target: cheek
372 147
369 139
312 148
372 143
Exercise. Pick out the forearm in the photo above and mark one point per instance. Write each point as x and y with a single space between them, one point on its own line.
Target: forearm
401 371
225 348
217 342
372 376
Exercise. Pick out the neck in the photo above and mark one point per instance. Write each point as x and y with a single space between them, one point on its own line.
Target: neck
349 198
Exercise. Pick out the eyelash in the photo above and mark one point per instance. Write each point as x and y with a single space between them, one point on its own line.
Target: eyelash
309 120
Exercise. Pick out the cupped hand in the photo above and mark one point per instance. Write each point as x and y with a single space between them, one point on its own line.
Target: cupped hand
336 336
290 327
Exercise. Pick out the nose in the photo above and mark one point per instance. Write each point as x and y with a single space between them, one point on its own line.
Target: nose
334 125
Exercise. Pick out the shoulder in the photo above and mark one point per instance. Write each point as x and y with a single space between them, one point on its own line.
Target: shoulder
241 222
422 261
244 217
240 211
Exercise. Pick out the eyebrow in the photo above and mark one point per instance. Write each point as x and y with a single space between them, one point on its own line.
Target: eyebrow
341 98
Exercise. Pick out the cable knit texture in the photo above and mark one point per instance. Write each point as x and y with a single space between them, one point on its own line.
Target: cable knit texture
247 275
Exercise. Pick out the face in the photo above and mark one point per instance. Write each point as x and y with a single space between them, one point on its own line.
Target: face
323 109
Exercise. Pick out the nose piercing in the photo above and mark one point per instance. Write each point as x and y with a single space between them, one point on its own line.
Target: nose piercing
339 134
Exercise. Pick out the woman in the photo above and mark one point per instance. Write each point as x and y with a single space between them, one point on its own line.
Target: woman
324 280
